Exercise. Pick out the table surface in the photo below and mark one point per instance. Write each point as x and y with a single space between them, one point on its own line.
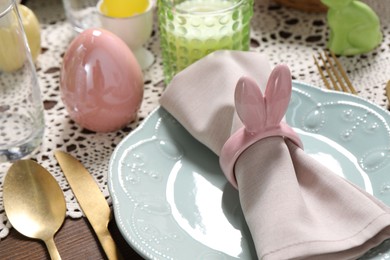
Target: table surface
285 35
75 240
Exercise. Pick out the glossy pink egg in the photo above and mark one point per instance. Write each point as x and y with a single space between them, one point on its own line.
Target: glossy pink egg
101 81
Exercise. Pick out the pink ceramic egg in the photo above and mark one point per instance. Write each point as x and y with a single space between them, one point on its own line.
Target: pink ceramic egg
101 81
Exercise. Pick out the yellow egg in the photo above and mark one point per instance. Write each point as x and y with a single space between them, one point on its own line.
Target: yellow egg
12 56
123 8
32 29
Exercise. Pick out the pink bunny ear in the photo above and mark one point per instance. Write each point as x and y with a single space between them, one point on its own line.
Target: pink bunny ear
250 104
261 116
277 94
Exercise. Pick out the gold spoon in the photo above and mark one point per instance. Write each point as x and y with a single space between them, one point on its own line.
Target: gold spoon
34 202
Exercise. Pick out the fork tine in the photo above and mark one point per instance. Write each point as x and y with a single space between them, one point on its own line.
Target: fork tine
322 73
330 74
342 71
334 73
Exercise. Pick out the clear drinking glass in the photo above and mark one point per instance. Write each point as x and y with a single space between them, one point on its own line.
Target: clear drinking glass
21 109
82 14
191 29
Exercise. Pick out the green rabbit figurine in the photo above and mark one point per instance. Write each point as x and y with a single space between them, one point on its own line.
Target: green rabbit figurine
354 27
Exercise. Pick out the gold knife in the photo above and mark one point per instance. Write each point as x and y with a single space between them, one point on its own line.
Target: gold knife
91 200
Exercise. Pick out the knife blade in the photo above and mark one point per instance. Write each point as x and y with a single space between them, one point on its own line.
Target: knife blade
91 200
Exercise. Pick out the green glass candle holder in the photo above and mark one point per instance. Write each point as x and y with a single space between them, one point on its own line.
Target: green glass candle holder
191 29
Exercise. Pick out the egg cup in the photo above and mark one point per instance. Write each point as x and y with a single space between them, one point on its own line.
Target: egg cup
134 30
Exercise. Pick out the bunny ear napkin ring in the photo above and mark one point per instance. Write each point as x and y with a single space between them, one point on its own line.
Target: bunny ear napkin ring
261 115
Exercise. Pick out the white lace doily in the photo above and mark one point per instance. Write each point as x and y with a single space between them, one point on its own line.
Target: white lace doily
285 35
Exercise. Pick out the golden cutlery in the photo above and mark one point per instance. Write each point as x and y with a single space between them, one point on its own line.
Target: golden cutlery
34 202
91 200
332 69
388 91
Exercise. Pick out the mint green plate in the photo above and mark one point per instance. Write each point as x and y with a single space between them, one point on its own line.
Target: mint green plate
171 200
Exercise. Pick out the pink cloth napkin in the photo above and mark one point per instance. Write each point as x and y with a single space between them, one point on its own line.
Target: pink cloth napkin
295 207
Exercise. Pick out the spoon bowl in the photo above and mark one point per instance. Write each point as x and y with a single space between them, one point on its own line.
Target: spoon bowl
34 202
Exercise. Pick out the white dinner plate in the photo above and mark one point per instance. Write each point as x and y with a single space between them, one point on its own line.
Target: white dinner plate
171 200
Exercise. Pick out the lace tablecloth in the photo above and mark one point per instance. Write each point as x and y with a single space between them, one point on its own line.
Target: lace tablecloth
285 35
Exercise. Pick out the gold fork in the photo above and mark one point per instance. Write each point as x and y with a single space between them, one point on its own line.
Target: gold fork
388 91
331 69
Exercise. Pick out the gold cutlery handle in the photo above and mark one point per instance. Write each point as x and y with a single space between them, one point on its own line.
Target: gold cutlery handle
51 247
108 245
